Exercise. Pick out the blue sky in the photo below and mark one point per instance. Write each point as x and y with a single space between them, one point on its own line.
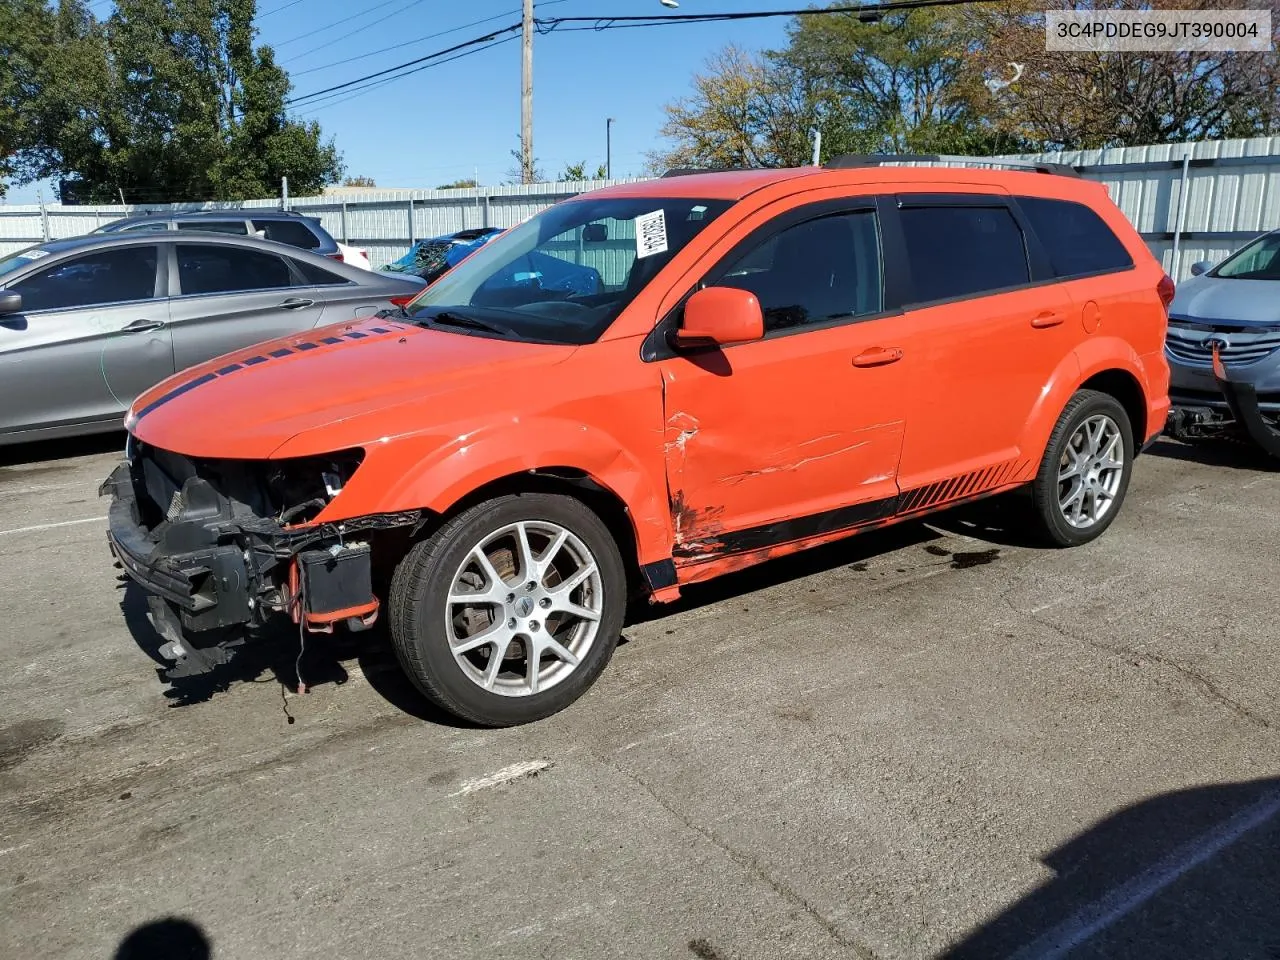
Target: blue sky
450 121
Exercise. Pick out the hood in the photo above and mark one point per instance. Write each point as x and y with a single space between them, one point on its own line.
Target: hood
1208 299
245 405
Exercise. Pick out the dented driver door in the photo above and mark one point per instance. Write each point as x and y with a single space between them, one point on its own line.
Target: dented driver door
798 434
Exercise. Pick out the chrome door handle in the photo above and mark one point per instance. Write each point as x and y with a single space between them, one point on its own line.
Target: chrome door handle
139 326
296 303
877 357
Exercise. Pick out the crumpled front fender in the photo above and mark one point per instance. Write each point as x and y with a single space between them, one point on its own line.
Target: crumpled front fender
1242 398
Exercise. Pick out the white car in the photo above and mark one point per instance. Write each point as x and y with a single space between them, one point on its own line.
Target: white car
354 256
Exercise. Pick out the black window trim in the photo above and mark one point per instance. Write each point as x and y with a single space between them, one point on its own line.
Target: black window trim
1039 267
1070 278
175 279
295 266
160 286
657 345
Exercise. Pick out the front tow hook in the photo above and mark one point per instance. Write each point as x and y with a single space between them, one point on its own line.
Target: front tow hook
1242 398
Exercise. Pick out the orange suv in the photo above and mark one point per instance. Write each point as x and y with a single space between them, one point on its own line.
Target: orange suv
725 368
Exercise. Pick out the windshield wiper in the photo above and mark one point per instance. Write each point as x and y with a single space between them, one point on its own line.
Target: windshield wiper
448 318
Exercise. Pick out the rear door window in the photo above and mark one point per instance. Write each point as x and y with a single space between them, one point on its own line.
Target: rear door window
292 232
1078 241
205 268
234 227
113 276
963 251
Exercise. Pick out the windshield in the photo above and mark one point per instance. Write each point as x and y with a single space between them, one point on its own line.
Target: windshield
20 259
564 275
1259 260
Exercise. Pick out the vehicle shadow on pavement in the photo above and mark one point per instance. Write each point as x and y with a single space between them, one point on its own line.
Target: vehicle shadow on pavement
172 938
1194 873
44 451
1216 453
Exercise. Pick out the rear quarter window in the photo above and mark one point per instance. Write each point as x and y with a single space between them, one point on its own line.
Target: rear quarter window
1078 241
292 232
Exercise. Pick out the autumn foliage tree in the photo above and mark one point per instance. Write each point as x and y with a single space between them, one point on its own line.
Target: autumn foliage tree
937 81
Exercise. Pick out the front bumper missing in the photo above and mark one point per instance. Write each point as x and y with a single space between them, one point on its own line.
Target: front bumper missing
1239 412
209 567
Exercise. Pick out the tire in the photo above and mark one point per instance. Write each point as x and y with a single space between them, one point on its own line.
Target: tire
430 632
1074 524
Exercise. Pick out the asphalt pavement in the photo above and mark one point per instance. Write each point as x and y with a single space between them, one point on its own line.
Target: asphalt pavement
929 741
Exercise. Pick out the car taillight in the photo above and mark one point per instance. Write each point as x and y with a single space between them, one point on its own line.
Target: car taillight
1165 290
402 300
334 256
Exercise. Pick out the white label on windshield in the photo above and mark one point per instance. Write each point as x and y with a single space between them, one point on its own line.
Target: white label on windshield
651 234
35 254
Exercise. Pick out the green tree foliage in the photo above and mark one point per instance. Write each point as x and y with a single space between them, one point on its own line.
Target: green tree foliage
366 182
574 171
163 100
459 184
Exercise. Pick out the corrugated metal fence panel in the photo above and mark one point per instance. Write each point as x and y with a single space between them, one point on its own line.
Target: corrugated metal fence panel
1235 201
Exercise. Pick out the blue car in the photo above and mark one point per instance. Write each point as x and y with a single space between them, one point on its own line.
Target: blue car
430 259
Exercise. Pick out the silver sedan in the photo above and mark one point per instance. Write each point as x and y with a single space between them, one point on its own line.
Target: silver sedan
87 324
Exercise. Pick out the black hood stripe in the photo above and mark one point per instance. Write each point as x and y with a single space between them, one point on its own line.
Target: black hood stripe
301 347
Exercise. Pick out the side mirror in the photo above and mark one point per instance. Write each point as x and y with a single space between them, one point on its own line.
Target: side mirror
719 316
1201 266
595 233
10 302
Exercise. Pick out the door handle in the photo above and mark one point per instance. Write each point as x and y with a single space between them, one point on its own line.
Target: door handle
877 357
1047 319
139 326
295 303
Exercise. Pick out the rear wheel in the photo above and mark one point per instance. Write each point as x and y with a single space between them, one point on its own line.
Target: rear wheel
511 610
1085 472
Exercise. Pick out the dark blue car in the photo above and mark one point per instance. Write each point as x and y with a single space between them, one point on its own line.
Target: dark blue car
430 259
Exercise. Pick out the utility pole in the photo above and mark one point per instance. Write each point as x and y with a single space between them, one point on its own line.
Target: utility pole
526 96
608 148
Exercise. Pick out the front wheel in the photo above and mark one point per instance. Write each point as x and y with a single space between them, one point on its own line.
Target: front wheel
1085 472
511 610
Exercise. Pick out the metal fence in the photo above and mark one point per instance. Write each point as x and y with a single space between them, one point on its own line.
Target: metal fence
1193 201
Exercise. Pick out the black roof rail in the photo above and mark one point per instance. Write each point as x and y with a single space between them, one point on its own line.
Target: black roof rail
850 160
691 171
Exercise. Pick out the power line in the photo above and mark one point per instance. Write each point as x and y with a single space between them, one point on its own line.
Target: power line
474 42
409 43
333 99
351 33
284 6
336 23
613 23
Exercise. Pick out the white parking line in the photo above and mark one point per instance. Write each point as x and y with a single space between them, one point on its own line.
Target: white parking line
1129 896
51 526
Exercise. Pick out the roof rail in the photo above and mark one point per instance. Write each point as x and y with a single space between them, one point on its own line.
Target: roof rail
849 160
691 171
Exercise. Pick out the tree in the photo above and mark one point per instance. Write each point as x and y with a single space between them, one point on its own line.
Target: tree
574 171
164 100
516 174
458 185
359 182
890 83
602 172
1086 100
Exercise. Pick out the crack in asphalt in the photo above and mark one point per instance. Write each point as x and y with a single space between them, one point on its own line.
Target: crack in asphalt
750 863
1198 680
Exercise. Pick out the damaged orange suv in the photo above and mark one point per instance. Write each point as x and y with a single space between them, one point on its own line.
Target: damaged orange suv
640 388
